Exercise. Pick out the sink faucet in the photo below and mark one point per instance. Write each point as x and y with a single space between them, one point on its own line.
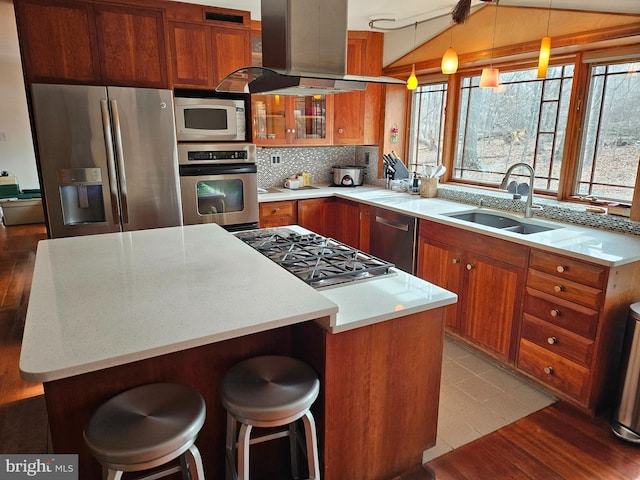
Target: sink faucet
529 207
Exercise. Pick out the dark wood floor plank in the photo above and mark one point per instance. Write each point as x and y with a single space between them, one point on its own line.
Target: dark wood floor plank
593 437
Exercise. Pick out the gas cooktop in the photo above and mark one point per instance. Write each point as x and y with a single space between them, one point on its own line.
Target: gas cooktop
319 261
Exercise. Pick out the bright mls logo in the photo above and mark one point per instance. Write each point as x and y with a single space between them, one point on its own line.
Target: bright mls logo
51 467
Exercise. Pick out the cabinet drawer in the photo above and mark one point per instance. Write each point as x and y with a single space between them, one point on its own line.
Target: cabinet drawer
554 370
286 208
557 340
567 268
564 314
563 288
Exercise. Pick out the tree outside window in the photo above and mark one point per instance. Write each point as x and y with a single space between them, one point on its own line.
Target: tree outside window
611 142
522 120
427 124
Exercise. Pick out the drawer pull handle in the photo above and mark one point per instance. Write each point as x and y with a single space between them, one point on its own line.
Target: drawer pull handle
548 370
276 210
552 340
555 312
562 268
455 261
470 266
558 288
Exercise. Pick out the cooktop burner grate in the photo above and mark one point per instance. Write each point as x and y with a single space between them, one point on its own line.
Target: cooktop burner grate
317 260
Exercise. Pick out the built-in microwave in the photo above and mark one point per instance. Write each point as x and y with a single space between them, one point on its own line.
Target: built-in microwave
210 119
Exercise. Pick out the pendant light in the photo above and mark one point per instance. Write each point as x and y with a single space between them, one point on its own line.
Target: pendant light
490 76
450 58
412 81
545 50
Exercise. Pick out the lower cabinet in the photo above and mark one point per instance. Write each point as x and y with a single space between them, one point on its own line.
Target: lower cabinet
557 319
488 276
278 214
332 217
315 213
573 322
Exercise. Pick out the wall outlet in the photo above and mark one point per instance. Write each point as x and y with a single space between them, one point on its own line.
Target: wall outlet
4 137
276 159
366 158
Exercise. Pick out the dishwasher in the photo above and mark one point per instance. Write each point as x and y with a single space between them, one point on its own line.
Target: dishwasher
393 238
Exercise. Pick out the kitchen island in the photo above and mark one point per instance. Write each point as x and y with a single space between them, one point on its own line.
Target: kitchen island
109 312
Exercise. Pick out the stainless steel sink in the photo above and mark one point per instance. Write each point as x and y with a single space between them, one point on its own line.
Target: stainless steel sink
503 222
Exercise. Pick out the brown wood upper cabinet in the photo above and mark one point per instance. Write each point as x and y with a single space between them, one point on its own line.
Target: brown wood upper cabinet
92 43
58 41
488 274
207 44
357 114
131 46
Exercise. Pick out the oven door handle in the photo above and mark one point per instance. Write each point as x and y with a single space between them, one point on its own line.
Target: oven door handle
216 169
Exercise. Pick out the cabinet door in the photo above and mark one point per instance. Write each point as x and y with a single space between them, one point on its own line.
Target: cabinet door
365 228
57 41
286 120
315 215
345 222
190 54
349 107
311 120
131 46
439 265
357 114
231 50
492 303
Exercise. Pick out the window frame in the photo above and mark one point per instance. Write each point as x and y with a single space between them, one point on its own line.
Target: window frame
575 119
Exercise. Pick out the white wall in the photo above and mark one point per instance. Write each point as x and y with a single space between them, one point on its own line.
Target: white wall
16 153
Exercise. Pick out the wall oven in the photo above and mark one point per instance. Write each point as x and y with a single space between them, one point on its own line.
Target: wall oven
218 184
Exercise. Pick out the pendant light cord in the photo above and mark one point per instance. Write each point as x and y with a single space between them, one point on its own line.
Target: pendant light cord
495 27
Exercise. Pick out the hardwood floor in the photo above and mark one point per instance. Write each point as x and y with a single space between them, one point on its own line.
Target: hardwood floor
23 419
558 442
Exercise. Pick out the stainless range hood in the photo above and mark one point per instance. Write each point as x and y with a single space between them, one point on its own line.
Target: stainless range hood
304 51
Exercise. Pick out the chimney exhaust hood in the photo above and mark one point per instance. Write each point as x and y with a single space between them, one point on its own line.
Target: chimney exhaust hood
304 52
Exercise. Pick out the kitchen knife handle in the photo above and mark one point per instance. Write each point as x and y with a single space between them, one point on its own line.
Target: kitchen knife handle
111 165
120 158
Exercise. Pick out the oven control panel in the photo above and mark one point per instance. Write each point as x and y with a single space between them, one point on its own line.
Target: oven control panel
211 153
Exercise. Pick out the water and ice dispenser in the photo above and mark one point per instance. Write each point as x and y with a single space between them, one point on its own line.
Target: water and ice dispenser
81 195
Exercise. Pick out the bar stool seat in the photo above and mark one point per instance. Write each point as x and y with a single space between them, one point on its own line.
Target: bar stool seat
269 391
147 427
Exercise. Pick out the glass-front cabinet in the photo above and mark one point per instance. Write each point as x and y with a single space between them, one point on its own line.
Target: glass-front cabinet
287 120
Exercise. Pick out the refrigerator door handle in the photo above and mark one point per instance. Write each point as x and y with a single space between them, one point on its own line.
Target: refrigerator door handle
111 165
120 158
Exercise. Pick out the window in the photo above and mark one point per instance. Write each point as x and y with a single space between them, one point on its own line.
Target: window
522 120
611 143
427 124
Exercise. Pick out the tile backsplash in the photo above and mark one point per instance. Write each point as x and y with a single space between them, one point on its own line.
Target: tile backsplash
315 160
319 160
551 209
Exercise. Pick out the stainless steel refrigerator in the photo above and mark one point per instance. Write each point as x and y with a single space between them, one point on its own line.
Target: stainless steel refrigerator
107 158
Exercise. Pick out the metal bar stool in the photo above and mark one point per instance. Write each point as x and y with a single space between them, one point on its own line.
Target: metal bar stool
148 427
269 391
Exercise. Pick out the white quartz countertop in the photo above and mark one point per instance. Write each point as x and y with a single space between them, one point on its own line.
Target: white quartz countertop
595 245
104 300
